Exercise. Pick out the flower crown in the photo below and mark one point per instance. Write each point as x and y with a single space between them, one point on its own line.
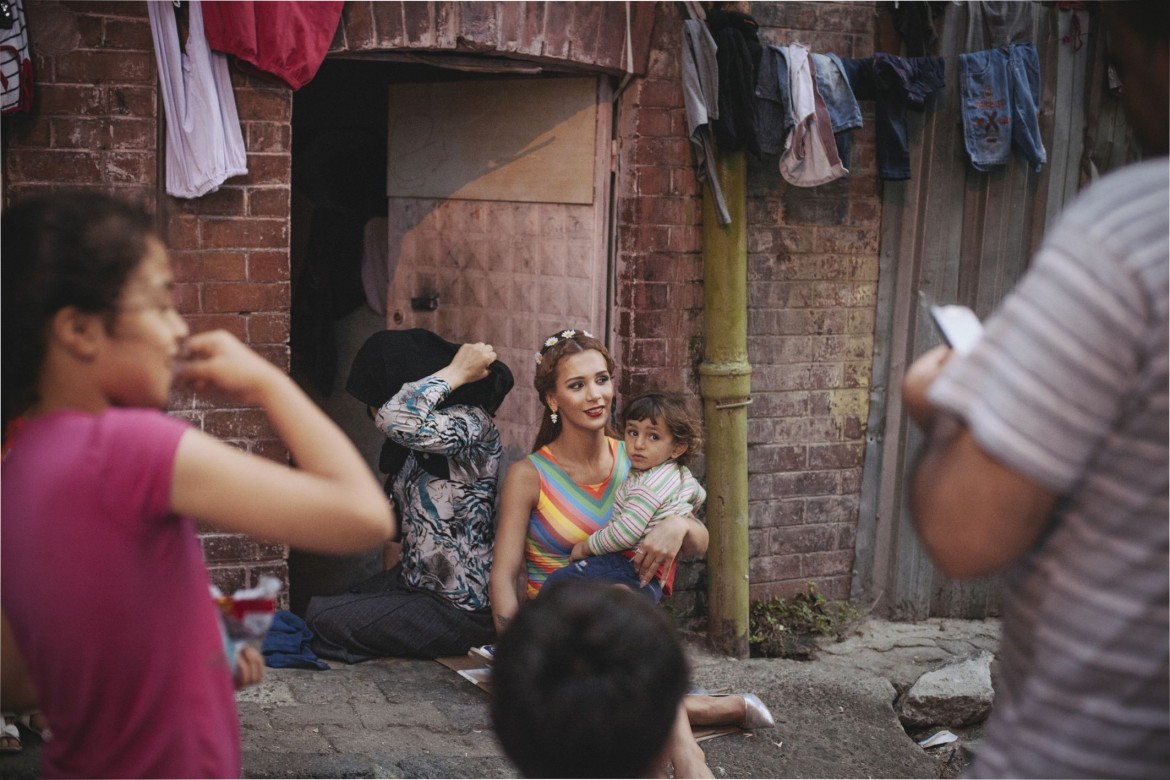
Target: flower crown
553 339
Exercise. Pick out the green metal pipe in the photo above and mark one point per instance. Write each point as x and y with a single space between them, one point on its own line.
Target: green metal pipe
725 383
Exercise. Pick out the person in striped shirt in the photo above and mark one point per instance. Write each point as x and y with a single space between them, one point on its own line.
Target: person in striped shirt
660 434
1046 456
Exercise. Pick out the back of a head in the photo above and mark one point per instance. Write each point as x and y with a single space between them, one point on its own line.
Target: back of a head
587 682
63 249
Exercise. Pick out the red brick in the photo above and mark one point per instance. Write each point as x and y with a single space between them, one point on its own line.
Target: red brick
186 297
132 134
268 266
269 137
54 166
654 122
182 230
190 266
388 23
106 67
129 34
227 201
827 564
89 134
268 328
357 26
233 323
130 167
268 202
802 539
269 168
660 92
230 297
245 233
835 456
268 105
557 30
125 100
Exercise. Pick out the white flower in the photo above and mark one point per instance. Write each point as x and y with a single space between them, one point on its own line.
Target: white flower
550 341
539 358
568 334
588 335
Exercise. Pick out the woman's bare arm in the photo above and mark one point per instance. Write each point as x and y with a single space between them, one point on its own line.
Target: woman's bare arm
517 500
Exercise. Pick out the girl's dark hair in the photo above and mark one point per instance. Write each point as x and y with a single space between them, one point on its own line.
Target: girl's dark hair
64 249
554 348
674 410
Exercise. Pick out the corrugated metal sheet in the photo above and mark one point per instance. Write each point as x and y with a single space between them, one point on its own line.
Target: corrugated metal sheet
953 234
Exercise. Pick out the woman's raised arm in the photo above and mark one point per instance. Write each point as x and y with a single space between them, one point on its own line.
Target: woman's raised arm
329 503
517 500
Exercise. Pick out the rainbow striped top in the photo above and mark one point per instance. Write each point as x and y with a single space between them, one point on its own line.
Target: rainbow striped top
567 512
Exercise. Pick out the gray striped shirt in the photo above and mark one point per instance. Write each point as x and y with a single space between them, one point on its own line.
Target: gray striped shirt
1069 388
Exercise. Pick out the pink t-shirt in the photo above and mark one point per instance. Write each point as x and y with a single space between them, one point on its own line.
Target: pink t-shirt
107 595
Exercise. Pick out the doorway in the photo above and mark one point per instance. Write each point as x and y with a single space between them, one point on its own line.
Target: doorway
495 254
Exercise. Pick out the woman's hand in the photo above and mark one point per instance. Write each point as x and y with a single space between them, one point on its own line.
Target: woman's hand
580 551
660 546
470 364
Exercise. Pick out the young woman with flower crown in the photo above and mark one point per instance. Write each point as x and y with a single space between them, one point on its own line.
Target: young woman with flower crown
564 491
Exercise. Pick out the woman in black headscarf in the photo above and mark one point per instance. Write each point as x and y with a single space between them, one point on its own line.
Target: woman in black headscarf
434 400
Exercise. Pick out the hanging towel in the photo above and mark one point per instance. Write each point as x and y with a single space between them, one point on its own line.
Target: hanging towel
16 76
700 78
810 152
286 645
286 39
204 144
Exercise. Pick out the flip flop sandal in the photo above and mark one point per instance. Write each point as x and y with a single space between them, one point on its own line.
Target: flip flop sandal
10 732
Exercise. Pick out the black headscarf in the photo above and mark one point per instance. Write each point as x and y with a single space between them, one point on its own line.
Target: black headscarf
391 358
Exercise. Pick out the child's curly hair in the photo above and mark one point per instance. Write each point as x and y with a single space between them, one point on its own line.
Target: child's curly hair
676 414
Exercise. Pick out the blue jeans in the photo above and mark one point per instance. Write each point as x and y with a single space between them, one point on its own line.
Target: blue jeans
999 91
613 567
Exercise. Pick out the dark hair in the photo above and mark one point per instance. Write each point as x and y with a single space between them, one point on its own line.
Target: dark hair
676 415
554 348
64 249
586 682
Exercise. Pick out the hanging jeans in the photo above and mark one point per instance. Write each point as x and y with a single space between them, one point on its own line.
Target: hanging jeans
1000 94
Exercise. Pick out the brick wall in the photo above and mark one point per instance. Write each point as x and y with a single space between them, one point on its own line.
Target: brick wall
96 123
812 283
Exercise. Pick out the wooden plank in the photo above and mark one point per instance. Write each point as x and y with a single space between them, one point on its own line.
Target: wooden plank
526 140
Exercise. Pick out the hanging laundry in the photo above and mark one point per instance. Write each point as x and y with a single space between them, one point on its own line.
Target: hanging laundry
915 22
895 84
810 153
700 82
998 23
204 144
999 95
773 112
844 113
16 75
737 53
286 39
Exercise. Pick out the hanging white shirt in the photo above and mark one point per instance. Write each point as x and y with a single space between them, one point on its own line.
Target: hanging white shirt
204 144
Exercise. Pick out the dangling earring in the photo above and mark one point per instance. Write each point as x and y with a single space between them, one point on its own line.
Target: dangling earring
553 416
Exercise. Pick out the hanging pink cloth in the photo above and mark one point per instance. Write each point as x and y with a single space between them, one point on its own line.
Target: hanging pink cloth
287 39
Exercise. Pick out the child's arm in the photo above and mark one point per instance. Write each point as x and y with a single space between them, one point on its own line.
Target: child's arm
329 503
639 503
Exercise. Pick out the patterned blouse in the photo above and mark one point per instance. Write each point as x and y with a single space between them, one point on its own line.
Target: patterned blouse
448 525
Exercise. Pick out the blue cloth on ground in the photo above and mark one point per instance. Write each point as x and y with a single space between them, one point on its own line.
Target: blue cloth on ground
286 645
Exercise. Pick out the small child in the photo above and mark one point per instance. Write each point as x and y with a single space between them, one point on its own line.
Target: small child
660 433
